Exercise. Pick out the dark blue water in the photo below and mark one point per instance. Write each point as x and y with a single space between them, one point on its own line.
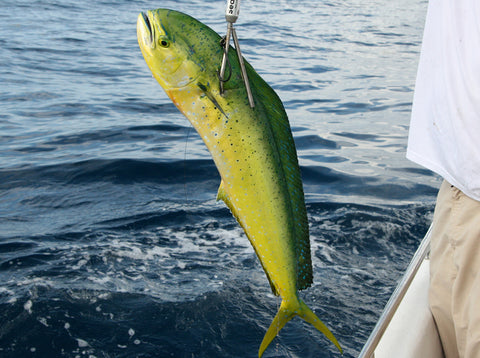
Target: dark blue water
111 242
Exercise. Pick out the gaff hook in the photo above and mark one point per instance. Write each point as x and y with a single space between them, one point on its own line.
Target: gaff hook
231 15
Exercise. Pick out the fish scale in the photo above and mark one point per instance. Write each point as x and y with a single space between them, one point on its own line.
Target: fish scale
253 150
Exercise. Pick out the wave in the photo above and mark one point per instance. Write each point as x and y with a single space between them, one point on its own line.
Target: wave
197 280
112 243
119 171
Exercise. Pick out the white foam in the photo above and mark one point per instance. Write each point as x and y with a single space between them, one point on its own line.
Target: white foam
43 321
28 306
82 343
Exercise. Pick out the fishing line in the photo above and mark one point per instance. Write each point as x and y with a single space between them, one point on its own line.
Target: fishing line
185 163
277 345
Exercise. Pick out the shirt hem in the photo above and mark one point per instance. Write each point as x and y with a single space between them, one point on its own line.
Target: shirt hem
419 159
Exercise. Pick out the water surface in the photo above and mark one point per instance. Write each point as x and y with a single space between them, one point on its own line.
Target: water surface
111 242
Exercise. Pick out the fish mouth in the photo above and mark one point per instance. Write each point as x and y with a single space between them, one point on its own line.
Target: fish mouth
148 30
146 20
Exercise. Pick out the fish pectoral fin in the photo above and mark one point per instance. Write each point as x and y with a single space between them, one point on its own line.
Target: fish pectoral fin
211 97
221 194
288 310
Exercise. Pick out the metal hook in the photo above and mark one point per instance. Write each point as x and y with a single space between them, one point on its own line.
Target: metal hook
221 76
231 15
227 63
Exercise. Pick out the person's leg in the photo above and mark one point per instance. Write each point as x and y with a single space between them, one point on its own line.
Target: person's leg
466 288
442 270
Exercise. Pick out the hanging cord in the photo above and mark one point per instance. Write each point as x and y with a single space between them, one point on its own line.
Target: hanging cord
231 15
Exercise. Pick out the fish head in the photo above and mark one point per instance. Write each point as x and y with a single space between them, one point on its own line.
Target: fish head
177 48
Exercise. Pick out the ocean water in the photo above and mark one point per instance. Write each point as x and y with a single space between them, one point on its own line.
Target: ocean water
111 241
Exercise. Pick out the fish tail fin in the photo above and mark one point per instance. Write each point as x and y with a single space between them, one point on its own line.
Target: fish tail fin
285 313
307 314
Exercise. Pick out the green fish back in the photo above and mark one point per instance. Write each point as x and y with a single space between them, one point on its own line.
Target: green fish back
267 100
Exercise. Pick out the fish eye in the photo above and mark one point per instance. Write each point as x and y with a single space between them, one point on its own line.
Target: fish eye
163 42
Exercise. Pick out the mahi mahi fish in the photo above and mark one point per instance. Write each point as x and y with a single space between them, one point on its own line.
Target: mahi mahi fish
253 150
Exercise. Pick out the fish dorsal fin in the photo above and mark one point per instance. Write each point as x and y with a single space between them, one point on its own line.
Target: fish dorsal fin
268 101
222 195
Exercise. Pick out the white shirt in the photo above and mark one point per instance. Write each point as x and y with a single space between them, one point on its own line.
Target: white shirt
445 125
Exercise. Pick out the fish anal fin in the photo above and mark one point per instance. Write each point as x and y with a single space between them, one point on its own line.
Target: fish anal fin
223 196
272 286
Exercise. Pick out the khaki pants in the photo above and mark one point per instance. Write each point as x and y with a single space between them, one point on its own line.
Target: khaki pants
455 272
